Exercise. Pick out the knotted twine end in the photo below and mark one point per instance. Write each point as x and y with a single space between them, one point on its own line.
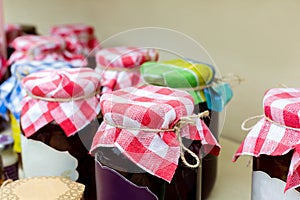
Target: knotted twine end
54 99
181 123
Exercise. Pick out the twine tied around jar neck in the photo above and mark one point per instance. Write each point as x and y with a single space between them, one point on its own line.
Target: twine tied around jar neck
258 117
177 129
232 79
52 99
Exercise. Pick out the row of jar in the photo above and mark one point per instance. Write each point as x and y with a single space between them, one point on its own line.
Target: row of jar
75 42
124 125
64 116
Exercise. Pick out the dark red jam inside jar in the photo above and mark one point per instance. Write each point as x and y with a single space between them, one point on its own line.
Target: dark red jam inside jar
78 146
274 166
184 185
3 124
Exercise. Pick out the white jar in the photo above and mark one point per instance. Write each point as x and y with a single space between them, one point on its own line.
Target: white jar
9 157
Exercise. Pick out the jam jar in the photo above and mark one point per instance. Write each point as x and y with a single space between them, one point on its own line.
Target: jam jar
80 39
274 144
12 31
139 155
12 93
43 48
198 79
120 66
59 118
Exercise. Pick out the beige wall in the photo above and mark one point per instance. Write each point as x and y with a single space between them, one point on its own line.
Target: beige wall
259 40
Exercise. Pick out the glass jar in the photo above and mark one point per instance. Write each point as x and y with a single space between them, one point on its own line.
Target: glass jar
266 169
59 144
80 39
197 78
274 144
9 158
12 31
120 66
12 93
118 177
77 146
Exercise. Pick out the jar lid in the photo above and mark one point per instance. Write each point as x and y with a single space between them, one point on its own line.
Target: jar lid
28 42
6 141
278 131
11 92
44 48
181 74
68 96
79 38
24 68
63 83
72 29
144 124
46 188
282 105
125 57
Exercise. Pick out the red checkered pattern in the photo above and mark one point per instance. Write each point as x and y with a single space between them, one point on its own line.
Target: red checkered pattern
150 107
12 31
3 67
80 38
126 58
71 115
43 48
278 132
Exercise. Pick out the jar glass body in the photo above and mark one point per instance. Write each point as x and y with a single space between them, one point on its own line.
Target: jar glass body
271 169
116 175
78 146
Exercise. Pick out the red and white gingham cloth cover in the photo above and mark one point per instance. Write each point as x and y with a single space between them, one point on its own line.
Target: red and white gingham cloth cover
275 138
80 38
72 116
43 48
12 31
150 107
125 58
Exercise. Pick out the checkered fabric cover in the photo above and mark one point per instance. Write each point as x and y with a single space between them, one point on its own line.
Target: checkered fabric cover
279 136
12 31
80 38
11 92
124 59
150 107
187 74
71 115
43 48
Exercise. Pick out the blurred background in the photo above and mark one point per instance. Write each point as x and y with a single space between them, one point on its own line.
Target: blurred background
257 40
